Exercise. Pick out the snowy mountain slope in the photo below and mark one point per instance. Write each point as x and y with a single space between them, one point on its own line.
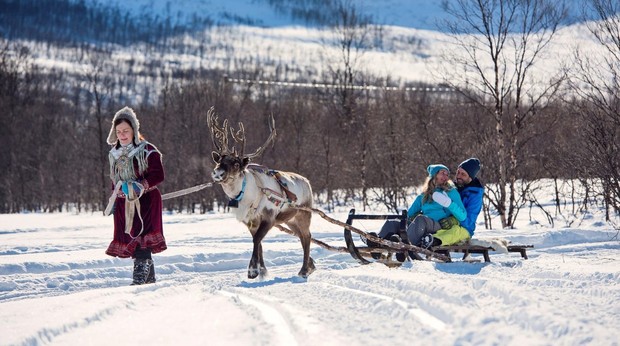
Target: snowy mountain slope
418 14
256 35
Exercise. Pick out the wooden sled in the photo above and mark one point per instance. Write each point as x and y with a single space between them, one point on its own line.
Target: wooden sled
385 254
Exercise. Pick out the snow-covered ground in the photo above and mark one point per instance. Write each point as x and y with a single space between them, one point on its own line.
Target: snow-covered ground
58 287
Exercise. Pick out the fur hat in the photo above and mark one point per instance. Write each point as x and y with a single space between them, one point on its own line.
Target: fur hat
434 169
125 113
471 166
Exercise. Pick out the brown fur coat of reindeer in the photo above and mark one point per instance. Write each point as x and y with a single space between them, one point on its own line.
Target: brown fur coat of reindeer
260 198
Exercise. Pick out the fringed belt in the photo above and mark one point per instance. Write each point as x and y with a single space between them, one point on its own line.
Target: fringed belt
120 194
132 203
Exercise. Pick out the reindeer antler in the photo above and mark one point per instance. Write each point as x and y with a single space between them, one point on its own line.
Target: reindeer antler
272 135
239 137
219 134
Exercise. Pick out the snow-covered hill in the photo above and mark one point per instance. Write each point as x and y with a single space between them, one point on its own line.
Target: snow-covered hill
262 39
417 14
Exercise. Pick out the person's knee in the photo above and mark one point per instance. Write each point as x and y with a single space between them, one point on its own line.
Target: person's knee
389 228
452 236
415 234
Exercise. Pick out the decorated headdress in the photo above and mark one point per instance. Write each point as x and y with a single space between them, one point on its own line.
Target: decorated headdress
125 113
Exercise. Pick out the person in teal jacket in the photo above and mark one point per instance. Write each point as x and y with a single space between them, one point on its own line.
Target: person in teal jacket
439 199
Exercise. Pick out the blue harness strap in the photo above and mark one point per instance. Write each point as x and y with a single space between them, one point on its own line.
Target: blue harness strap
234 203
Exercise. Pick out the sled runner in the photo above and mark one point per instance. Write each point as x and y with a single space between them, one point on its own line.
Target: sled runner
380 252
467 249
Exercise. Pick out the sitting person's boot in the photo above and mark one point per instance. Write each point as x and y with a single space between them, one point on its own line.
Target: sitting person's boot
142 268
402 255
371 243
428 241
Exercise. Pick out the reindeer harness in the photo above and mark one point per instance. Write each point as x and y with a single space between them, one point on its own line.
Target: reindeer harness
279 199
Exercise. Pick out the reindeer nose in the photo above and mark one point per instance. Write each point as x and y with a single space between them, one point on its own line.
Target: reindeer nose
217 175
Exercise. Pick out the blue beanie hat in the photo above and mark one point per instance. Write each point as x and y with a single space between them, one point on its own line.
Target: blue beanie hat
434 169
471 166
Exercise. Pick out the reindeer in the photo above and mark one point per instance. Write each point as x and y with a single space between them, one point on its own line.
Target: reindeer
260 198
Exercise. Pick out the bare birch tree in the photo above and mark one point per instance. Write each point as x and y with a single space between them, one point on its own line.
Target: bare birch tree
100 90
597 82
497 45
351 32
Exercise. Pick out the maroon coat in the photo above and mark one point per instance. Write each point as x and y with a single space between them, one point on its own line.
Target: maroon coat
152 236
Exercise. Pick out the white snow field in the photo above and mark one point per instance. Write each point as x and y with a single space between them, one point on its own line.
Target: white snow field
58 287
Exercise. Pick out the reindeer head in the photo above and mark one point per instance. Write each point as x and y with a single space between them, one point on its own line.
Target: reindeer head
228 162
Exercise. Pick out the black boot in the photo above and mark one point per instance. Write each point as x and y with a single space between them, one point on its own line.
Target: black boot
428 241
400 256
142 269
369 242
150 279
372 244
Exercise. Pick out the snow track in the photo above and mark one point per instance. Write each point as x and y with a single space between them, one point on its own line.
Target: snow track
271 312
564 294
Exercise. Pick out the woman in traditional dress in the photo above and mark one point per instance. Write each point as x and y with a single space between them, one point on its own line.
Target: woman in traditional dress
135 169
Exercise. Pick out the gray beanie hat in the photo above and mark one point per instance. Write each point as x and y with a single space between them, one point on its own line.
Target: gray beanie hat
125 113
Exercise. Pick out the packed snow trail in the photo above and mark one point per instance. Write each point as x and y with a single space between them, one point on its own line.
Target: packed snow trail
58 287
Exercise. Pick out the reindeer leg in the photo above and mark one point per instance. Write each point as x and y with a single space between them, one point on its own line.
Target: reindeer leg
308 266
262 269
257 251
301 225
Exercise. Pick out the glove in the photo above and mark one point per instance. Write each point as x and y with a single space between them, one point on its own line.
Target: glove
448 222
442 198
136 187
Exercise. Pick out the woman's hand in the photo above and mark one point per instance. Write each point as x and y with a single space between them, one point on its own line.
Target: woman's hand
442 198
135 186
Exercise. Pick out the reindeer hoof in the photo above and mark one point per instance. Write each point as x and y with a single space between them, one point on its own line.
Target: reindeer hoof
305 273
253 273
307 270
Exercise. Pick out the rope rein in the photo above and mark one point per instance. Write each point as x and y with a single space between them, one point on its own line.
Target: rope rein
281 199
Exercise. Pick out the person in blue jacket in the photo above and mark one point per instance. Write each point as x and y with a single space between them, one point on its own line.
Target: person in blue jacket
471 191
439 200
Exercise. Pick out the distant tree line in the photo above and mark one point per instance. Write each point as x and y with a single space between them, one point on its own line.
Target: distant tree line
351 143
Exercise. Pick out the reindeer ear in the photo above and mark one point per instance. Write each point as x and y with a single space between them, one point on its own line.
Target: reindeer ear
245 161
216 156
